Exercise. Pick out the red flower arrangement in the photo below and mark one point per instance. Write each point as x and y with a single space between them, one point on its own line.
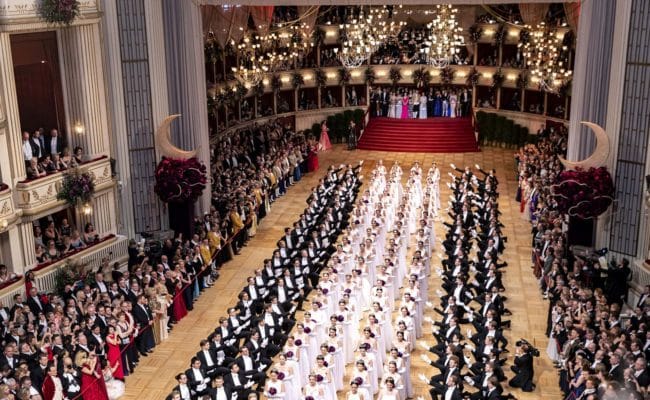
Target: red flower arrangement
180 180
585 194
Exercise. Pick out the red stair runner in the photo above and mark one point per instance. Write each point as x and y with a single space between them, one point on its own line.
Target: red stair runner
432 135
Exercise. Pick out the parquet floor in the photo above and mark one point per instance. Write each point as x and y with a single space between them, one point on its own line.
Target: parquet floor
154 377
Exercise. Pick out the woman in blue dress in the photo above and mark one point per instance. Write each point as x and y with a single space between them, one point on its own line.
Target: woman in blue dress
437 105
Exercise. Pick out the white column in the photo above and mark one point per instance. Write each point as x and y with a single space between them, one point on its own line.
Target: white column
613 123
103 214
17 259
117 120
186 81
83 82
12 161
26 231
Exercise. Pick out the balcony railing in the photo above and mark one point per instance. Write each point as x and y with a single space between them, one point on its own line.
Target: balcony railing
34 196
8 212
113 248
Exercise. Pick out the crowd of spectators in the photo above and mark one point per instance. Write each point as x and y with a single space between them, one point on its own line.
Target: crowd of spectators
47 154
598 342
92 332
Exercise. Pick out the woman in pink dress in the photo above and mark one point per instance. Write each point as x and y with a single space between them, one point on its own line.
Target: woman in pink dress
324 142
405 106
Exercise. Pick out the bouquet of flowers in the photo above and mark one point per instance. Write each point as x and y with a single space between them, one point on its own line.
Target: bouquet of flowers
319 378
281 375
585 194
180 180
522 80
320 77
497 79
307 330
340 318
344 76
297 80
331 349
325 290
395 75
446 75
358 381
475 33
273 391
298 342
289 354
276 83
59 11
421 77
370 76
77 188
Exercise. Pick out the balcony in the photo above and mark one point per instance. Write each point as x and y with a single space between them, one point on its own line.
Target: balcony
38 195
113 248
21 12
8 213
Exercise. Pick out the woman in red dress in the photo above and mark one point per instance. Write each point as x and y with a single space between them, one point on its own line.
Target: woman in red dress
92 381
113 355
180 310
312 157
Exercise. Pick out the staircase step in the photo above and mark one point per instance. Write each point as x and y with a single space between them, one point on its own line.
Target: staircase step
433 135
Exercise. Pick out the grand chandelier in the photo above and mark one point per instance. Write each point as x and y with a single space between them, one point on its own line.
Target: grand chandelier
445 37
363 35
547 58
250 69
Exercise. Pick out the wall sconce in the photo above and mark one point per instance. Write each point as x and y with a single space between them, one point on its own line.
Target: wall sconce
330 33
285 79
381 73
307 77
408 73
331 75
4 224
434 72
355 74
87 209
265 82
513 33
487 75
78 128
462 74
488 32
511 77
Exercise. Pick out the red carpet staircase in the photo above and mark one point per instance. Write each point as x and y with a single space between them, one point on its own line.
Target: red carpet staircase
432 135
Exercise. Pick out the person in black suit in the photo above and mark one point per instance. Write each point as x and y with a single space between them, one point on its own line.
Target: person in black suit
198 379
145 341
523 369
183 388
250 368
54 143
237 382
221 391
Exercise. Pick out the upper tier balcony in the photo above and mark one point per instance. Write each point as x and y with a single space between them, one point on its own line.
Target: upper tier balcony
38 195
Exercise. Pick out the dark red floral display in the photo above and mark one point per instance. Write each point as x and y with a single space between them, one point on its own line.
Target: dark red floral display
584 194
179 180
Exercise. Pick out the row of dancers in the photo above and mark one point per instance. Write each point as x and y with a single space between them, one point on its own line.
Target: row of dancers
232 362
351 319
472 365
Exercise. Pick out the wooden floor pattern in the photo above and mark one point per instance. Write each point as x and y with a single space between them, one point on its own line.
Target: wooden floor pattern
154 377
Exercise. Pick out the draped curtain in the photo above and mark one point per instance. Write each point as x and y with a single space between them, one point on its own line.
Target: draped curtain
310 18
224 22
572 11
262 17
532 13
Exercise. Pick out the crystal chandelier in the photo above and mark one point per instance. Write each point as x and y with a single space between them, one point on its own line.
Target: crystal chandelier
445 37
363 35
547 58
250 69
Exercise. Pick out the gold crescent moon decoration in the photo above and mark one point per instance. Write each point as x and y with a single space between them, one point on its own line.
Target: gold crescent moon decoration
163 140
600 154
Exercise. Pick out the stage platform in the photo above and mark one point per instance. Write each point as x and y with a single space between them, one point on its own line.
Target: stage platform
431 135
